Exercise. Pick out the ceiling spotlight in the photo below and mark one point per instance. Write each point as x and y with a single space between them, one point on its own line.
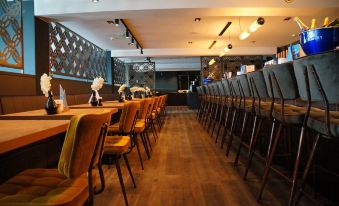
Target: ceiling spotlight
127 34
229 46
190 42
197 19
137 46
132 42
95 1
116 22
256 24
244 35
141 51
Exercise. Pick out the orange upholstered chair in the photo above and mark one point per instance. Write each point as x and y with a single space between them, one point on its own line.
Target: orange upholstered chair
120 145
70 184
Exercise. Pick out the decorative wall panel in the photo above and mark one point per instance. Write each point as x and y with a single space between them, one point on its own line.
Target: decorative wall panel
11 41
119 72
141 74
72 55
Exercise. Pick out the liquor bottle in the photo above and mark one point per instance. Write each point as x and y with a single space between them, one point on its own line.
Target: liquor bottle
334 22
326 22
313 25
301 25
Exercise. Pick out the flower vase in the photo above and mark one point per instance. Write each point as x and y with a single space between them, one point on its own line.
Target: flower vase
120 99
51 106
94 101
100 102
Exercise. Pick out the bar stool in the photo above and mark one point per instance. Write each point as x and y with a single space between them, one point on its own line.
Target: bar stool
209 102
318 81
263 106
282 85
243 103
221 102
120 145
227 108
217 106
72 183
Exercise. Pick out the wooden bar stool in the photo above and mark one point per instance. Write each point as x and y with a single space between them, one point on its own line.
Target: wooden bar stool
72 183
318 82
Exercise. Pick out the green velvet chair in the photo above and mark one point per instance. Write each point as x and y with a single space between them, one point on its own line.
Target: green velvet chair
282 87
72 183
318 83
263 106
119 145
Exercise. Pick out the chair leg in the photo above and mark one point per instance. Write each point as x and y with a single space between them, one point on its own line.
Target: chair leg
220 123
90 200
223 137
154 131
129 169
138 149
213 110
269 158
144 143
215 119
121 180
102 179
307 168
296 166
241 139
148 140
253 142
234 122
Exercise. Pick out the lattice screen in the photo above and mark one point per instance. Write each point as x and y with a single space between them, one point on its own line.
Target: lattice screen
119 72
141 74
11 49
72 55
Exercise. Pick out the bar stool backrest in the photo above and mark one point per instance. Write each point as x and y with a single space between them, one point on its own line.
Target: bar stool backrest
244 85
286 81
235 87
257 84
324 67
226 86
221 89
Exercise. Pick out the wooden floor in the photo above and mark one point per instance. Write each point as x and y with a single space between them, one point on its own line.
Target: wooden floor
188 168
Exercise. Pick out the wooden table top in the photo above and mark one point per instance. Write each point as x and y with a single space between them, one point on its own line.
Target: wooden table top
23 128
106 104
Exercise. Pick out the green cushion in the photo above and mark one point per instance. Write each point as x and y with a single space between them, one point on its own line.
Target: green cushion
259 81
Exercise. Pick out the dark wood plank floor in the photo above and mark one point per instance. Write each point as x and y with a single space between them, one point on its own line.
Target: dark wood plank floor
187 168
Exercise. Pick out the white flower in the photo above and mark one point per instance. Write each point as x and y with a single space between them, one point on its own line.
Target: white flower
45 84
122 88
134 89
97 83
148 89
141 89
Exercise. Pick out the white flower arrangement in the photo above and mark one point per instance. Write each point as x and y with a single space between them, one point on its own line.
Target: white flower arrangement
134 89
97 83
122 88
45 84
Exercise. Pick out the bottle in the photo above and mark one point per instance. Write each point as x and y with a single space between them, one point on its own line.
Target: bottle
313 24
326 21
334 22
301 25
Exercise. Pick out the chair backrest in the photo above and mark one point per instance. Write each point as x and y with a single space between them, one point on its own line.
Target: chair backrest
244 85
235 87
81 143
126 116
221 89
146 107
257 84
284 74
326 67
226 86
141 107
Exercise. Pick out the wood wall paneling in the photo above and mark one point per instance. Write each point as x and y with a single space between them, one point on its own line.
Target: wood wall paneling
13 84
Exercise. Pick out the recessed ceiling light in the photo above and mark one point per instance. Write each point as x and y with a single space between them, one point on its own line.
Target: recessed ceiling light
288 18
95 1
190 42
252 42
288 1
293 35
197 19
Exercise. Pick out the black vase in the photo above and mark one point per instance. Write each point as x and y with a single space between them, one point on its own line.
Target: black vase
120 99
51 106
94 100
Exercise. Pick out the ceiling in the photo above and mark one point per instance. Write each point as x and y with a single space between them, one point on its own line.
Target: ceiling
164 28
